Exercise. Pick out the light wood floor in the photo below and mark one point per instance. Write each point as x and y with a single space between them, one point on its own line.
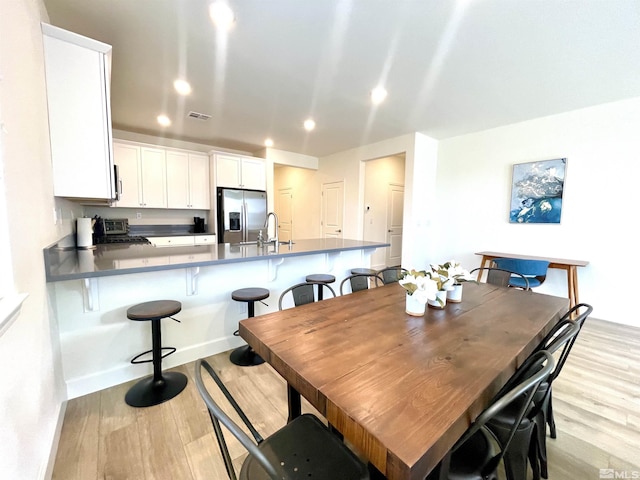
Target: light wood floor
596 404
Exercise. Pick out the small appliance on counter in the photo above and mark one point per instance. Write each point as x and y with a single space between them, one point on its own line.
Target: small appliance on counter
116 230
198 225
84 233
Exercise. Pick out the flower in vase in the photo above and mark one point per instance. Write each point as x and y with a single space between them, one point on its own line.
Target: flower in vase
420 285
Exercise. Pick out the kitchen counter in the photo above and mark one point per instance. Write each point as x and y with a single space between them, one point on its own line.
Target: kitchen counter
119 259
91 290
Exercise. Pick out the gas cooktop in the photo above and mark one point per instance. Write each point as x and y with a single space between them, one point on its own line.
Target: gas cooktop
107 239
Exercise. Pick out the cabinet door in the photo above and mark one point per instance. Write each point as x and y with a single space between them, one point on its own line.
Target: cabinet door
178 180
153 171
199 191
79 116
228 171
127 157
254 175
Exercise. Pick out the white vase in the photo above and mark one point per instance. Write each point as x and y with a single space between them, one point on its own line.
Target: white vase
414 307
440 300
455 295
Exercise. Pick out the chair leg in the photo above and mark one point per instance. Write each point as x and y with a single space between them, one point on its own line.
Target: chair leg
550 419
540 440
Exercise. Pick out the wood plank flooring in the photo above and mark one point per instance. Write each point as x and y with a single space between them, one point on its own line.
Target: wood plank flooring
596 406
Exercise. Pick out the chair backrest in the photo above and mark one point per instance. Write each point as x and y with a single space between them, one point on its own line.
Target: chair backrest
360 281
528 268
535 370
499 277
218 416
303 293
391 274
564 335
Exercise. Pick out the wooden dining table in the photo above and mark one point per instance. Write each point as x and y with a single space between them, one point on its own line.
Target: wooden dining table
402 389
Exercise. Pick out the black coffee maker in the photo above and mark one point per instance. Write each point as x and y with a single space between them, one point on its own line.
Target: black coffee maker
198 225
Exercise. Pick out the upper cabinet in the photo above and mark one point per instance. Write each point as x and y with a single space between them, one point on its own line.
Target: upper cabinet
143 175
188 180
240 172
78 72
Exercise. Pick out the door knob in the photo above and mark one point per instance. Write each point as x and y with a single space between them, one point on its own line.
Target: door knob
338 231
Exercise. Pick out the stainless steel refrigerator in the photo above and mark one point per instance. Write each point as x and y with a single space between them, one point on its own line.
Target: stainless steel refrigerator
241 214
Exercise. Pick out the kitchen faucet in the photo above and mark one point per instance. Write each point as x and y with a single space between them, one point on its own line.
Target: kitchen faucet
266 225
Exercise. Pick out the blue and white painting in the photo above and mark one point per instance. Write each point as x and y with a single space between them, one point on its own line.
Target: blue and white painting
536 192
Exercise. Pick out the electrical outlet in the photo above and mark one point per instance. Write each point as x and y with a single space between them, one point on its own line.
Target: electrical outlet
138 215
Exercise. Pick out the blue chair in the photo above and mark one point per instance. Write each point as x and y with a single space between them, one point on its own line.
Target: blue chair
534 270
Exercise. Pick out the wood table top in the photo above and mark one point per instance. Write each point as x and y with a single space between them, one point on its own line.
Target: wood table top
553 262
403 389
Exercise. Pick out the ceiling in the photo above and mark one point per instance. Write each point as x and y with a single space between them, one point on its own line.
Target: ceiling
450 67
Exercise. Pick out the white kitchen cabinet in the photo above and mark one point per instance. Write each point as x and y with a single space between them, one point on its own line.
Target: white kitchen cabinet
78 77
240 172
143 175
188 180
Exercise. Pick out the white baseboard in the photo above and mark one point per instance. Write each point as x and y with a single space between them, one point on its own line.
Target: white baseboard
76 387
48 468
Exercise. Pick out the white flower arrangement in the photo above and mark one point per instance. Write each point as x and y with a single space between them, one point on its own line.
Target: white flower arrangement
424 285
420 285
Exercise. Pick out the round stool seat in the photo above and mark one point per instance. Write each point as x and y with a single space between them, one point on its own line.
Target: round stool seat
320 278
363 271
160 386
252 294
154 309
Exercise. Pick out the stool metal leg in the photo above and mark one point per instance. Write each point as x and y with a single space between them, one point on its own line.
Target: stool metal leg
319 291
246 356
159 387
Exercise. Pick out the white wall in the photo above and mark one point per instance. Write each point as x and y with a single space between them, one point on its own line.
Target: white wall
30 373
602 147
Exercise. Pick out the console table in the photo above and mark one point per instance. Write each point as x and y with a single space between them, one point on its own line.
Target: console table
570 266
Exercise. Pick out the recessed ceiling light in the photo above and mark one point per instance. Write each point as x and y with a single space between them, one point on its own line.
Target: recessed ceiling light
221 15
164 120
182 87
268 142
309 125
378 95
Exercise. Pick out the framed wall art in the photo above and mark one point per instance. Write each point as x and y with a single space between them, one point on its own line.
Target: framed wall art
536 191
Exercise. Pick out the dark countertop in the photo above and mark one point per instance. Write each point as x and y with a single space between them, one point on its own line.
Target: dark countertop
119 259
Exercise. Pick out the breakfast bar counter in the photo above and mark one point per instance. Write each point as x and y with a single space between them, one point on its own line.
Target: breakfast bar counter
91 290
116 259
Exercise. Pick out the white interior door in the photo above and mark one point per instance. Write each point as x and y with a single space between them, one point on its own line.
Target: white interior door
395 211
332 209
284 209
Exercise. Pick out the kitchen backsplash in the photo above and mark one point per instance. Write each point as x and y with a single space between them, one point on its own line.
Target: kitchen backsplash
148 216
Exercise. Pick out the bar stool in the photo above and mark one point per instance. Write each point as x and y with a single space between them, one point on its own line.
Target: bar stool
245 356
158 387
320 279
363 271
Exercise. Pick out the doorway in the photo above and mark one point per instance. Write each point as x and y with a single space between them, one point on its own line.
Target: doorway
332 209
284 208
384 208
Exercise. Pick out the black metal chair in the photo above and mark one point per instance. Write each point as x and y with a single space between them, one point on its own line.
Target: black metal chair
501 277
303 293
391 274
473 457
360 281
525 446
553 342
303 448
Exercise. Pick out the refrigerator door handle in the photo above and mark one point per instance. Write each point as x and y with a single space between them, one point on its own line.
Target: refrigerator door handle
243 216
